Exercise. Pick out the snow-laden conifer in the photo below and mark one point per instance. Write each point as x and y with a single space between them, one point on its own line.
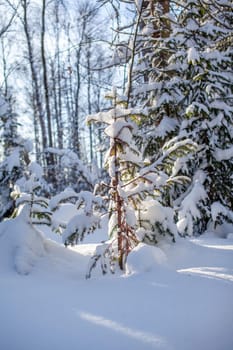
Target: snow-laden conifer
14 159
135 209
203 59
182 77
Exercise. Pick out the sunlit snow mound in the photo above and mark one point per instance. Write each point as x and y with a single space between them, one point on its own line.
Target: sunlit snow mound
144 258
21 245
25 249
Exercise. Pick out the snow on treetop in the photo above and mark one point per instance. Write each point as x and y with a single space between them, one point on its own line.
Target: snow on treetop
28 145
36 169
120 129
110 116
13 160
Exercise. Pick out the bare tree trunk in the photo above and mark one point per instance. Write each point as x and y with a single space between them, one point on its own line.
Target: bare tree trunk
59 88
50 156
76 116
89 96
4 64
68 72
45 75
38 110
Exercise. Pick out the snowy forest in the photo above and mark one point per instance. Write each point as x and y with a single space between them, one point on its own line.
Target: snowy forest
116 159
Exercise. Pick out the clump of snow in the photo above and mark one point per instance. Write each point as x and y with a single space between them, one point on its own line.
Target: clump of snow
63 215
68 193
78 226
13 160
36 169
144 258
216 209
189 210
21 245
28 145
152 214
130 216
193 56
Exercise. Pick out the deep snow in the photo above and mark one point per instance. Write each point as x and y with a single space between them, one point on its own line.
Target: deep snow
175 296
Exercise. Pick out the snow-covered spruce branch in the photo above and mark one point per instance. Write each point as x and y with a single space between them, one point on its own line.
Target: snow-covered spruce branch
86 219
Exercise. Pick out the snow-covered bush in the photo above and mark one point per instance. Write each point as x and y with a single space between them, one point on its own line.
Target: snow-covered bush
84 221
13 170
72 172
155 221
26 194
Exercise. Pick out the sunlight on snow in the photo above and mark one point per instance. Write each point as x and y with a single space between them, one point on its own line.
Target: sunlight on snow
222 247
215 273
213 245
117 327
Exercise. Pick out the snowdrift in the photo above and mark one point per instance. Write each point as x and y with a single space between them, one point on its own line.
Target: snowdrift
174 296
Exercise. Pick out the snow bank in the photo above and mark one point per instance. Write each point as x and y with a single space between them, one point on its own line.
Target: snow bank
183 302
20 246
144 258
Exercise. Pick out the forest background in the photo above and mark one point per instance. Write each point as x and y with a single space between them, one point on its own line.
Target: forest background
153 79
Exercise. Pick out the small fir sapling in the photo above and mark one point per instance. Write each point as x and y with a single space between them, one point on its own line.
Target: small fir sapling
133 185
26 194
13 157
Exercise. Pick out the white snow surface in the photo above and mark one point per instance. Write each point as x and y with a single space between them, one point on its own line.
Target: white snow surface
173 296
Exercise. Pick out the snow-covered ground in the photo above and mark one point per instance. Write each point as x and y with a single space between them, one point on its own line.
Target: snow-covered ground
176 296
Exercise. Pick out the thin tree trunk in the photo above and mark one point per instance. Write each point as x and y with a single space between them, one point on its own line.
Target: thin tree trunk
89 96
4 63
59 88
45 75
38 110
50 156
69 91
